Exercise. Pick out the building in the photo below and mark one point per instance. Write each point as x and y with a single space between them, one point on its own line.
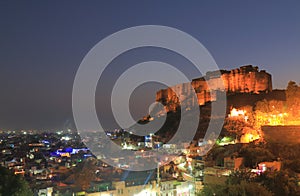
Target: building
165 188
269 166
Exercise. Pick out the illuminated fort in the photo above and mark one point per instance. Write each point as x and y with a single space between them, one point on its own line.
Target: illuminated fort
246 79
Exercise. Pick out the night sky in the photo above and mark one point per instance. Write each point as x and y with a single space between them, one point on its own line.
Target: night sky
42 44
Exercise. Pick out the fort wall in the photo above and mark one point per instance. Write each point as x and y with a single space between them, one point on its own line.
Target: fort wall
282 134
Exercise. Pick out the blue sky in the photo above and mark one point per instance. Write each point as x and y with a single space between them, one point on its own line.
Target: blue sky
43 42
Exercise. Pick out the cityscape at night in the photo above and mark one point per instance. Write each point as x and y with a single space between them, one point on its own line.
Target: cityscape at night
140 98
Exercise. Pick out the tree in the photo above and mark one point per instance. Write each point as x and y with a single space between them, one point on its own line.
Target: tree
237 184
213 189
247 189
255 154
13 185
269 112
263 106
280 183
293 98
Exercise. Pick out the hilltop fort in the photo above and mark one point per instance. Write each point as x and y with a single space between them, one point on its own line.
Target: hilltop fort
246 79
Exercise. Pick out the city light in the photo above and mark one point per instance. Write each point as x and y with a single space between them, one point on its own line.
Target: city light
236 113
